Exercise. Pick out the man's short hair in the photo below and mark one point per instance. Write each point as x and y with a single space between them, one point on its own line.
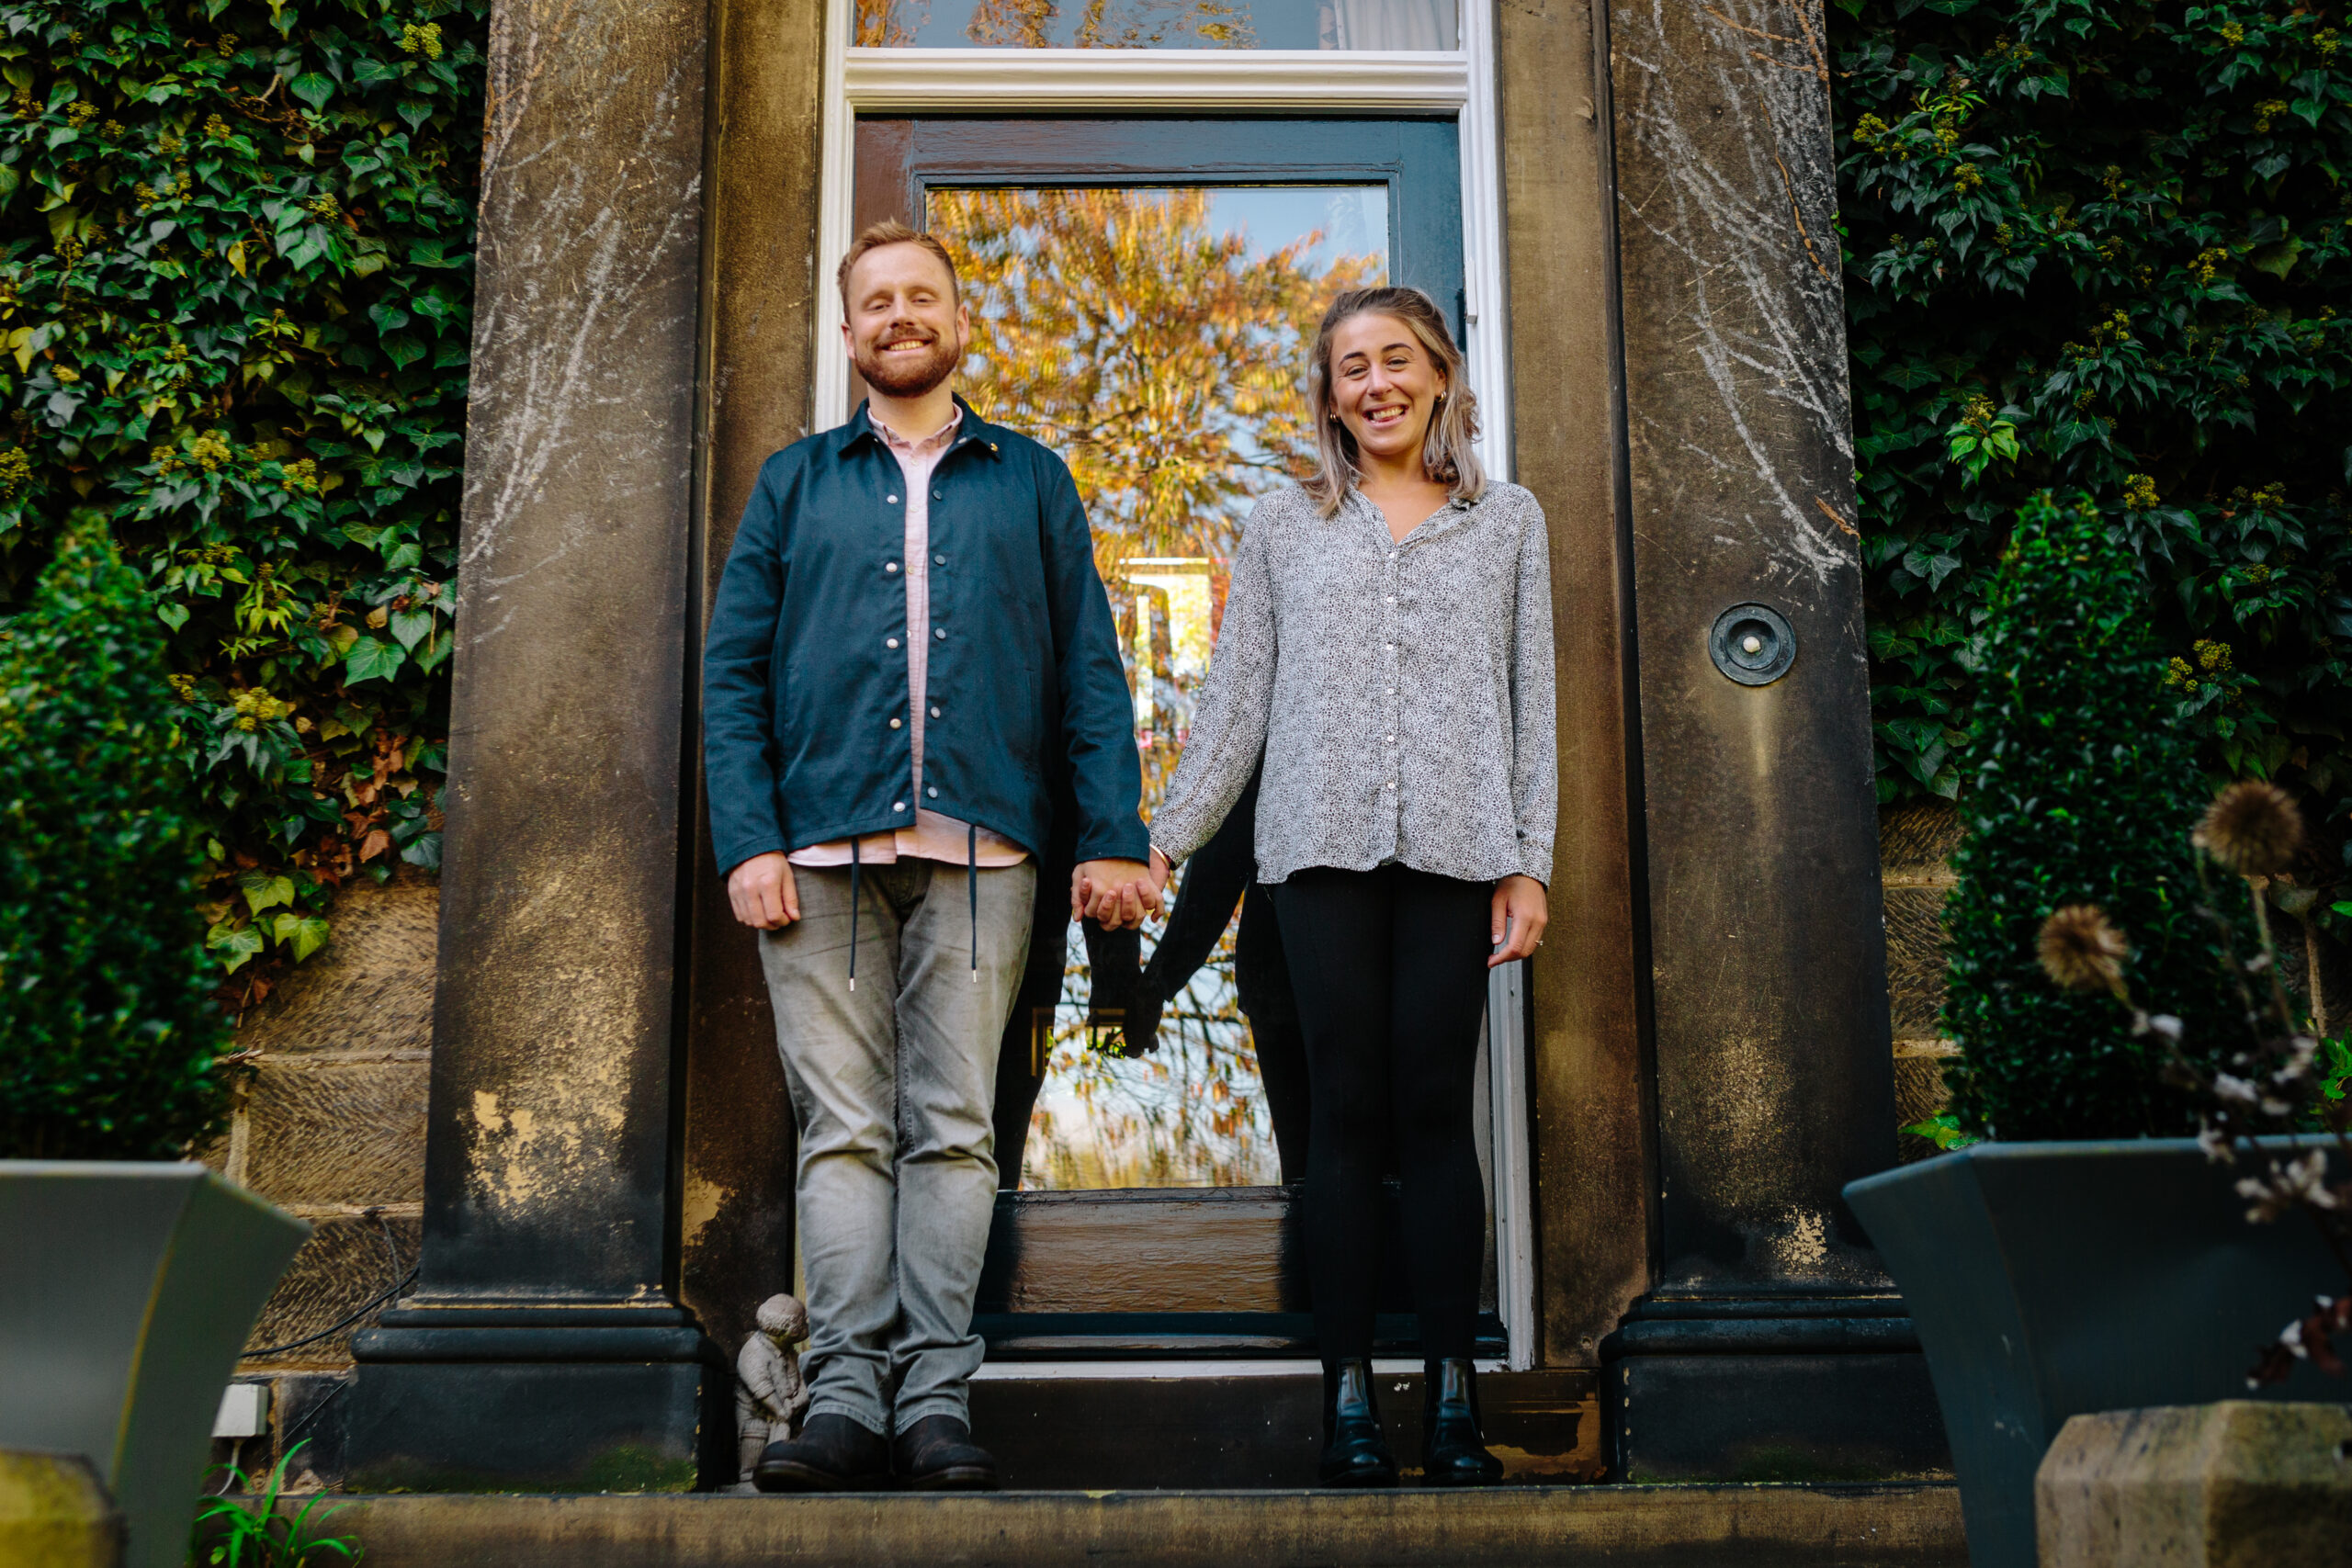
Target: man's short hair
890 232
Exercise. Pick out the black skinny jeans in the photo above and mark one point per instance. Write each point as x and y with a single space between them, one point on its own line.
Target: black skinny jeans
1390 970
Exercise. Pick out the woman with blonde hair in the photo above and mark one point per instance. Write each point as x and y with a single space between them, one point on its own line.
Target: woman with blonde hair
1387 647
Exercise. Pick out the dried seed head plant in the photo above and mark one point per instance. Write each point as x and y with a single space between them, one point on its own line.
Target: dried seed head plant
2081 951
2270 1109
2252 828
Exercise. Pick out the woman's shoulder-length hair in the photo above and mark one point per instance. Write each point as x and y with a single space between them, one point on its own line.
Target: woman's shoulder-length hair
1447 452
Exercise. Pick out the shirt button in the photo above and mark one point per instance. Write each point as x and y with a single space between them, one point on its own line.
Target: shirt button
894 724
1392 555
1392 598
889 642
1392 691
1392 739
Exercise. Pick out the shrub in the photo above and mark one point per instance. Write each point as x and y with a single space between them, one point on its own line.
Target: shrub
2102 246
2084 791
235 308
109 1033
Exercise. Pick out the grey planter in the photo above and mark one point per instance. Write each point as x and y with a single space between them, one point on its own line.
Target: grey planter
2052 1279
126 1292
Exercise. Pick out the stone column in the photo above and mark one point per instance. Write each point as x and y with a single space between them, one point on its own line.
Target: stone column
544 1347
1770 1345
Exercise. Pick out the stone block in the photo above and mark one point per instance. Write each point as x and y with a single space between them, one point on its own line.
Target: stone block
370 988
54 1513
1915 961
1917 838
2236 1484
345 1263
337 1132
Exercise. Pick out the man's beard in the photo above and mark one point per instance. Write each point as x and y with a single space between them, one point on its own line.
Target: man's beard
895 377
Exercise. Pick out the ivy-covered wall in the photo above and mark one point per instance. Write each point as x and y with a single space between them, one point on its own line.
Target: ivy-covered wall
234 314
2102 245
2095 244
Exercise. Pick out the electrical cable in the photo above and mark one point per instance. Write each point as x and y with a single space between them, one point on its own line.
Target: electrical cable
402 1283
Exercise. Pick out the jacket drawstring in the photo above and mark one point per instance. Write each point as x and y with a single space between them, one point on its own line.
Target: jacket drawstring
853 912
972 889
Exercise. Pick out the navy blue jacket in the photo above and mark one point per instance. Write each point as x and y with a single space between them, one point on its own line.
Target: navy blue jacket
800 679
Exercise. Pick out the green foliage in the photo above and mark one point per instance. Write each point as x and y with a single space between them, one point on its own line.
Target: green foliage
2101 245
107 1031
232 1532
2083 793
235 315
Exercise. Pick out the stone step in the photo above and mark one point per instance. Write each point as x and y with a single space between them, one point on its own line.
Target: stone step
1625 1526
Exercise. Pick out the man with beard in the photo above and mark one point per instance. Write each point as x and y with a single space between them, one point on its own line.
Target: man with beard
909 633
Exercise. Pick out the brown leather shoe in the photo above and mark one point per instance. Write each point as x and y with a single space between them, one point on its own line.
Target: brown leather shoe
832 1453
938 1454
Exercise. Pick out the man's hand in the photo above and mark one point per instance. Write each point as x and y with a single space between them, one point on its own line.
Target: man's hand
1114 893
1520 911
763 892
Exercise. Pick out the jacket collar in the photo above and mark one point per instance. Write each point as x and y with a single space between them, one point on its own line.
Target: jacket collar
974 431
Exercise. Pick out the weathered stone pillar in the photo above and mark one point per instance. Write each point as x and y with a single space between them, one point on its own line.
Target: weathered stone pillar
1771 1343
545 1346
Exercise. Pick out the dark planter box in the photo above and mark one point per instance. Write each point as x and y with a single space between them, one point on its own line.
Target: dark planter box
2049 1280
126 1294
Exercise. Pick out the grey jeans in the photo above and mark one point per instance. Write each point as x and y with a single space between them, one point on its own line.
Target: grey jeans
894 1086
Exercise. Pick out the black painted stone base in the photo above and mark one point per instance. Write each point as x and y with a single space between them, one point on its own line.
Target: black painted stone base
1814 1390
518 1405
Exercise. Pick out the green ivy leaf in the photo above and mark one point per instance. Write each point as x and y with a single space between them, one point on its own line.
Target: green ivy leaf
307 933
313 88
372 658
410 626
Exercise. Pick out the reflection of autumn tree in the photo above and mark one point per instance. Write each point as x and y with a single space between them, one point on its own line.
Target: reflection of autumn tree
1159 357
1097 24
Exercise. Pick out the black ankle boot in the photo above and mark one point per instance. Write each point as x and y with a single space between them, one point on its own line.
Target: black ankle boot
1354 1452
1452 1451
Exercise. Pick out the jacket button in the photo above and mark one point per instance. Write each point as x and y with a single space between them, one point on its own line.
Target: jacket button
889 642
940 633
939 495
892 498
935 713
894 724
939 561
890 566
932 790
898 805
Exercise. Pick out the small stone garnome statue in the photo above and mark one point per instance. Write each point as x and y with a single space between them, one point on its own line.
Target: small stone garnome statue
770 1396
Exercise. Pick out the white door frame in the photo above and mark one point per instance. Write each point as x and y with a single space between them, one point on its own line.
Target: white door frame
1460 82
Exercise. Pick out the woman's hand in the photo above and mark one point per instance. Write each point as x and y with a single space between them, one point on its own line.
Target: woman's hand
1520 911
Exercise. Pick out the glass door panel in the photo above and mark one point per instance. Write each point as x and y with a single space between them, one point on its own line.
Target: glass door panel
1159 24
1155 337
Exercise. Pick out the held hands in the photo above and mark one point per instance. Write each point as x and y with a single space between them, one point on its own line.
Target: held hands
763 892
1117 893
1520 909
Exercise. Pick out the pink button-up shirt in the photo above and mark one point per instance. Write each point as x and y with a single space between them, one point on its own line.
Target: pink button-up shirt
934 836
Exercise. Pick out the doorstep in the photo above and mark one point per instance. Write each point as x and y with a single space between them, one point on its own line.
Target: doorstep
1719 1526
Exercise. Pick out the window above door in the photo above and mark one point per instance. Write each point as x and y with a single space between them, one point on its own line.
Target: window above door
1388 25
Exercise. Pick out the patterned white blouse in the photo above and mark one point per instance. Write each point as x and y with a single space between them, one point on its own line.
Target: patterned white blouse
1401 693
